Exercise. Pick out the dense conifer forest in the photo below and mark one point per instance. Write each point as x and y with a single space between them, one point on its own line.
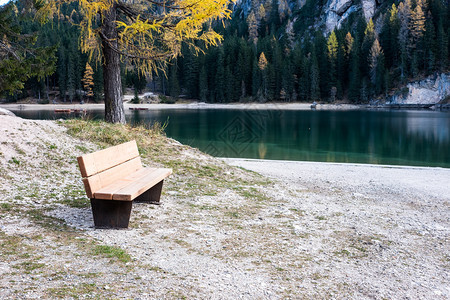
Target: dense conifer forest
269 55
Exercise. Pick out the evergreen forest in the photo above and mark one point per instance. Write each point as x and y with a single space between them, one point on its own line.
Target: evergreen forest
268 54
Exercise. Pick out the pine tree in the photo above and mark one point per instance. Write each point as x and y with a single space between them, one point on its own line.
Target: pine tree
256 79
98 84
229 85
220 78
320 50
203 85
442 45
62 73
174 86
430 45
274 17
191 74
404 15
314 78
389 36
20 58
71 85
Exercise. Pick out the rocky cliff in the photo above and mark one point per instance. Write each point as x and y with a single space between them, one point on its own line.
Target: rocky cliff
337 11
333 12
430 90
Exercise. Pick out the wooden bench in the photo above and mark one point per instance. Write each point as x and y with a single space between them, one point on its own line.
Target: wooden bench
113 178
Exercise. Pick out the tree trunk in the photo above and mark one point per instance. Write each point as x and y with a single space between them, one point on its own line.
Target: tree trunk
114 111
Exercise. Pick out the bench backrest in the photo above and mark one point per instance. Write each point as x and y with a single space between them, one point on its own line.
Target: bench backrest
103 167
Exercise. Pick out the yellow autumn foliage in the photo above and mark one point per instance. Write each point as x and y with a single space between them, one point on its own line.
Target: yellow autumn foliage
149 32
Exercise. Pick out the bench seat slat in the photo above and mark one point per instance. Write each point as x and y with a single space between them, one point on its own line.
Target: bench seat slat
107 192
141 185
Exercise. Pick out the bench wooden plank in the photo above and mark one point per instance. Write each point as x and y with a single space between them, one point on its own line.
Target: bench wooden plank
93 163
141 185
107 192
96 182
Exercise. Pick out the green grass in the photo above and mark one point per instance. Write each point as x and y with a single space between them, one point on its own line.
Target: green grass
77 291
112 252
40 218
29 266
14 160
5 206
76 202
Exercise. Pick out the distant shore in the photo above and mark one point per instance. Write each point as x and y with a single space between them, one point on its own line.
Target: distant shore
192 105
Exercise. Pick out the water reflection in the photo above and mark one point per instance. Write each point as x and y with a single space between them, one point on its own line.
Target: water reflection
378 137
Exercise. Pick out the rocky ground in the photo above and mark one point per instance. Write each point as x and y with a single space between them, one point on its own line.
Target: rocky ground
284 230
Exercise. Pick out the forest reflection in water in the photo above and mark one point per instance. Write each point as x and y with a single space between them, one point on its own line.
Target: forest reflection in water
420 138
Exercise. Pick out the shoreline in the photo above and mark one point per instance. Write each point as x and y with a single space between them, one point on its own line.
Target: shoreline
341 164
193 105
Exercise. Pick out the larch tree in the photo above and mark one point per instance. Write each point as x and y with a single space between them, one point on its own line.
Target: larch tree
143 33
417 22
404 15
332 47
348 46
88 81
262 62
375 53
262 65
252 28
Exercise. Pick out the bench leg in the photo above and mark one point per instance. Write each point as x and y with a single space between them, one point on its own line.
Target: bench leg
111 213
151 196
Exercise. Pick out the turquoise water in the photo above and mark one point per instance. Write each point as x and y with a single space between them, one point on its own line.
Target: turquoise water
419 138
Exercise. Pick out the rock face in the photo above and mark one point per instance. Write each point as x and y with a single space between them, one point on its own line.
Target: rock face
333 13
431 90
337 11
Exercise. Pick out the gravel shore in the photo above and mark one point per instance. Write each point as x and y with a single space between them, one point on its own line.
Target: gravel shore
295 230
191 105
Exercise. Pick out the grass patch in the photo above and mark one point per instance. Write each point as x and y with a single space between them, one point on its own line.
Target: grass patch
79 291
112 252
80 202
83 149
11 245
38 217
5 206
75 197
14 160
29 266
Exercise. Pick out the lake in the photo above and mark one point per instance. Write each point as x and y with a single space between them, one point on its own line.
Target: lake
418 138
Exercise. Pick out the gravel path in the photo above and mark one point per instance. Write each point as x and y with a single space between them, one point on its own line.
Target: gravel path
310 231
393 220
